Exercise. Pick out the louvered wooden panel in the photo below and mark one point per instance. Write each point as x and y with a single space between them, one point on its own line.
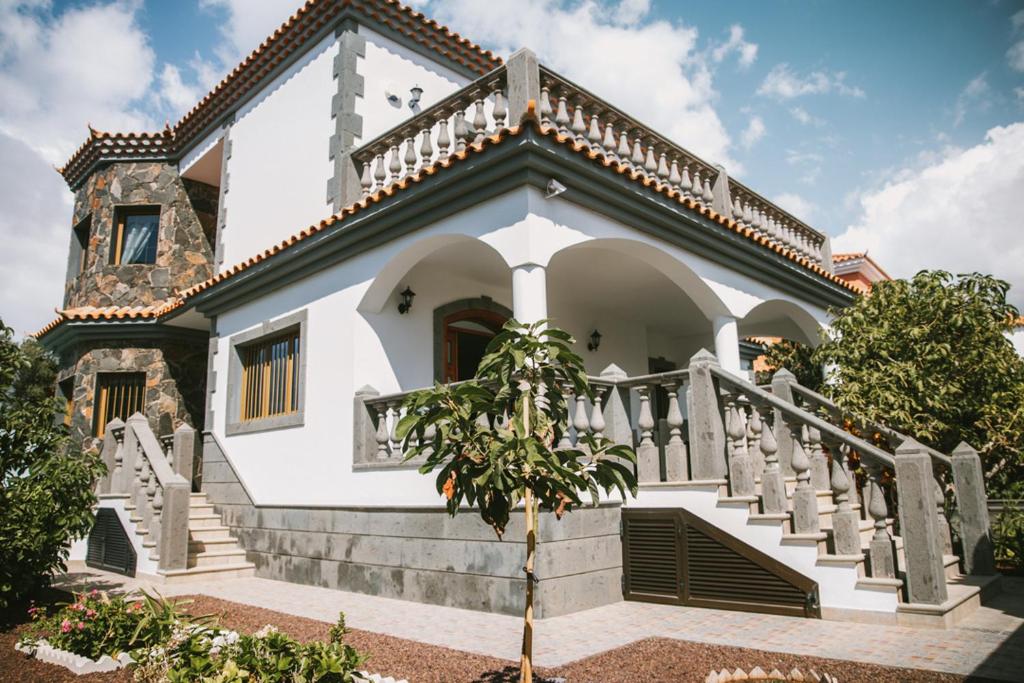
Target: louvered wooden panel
652 556
108 546
676 557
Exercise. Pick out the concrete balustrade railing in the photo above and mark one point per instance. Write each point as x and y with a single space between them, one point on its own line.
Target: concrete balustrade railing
966 480
155 482
606 129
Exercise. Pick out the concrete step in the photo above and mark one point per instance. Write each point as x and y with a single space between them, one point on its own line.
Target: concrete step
196 547
208 533
213 558
851 561
197 521
197 497
237 570
200 510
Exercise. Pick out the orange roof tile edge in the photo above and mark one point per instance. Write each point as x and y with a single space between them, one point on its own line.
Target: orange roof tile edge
550 131
99 313
281 40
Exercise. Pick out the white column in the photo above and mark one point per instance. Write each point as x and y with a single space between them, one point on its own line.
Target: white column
529 293
727 343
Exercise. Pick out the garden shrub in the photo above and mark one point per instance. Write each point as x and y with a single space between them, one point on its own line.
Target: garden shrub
96 624
46 492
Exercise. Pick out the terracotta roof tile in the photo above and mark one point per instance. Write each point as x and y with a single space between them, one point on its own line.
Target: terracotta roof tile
283 42
94 313
848 256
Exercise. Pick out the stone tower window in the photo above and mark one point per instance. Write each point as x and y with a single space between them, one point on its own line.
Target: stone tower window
118 394
81 244
135 236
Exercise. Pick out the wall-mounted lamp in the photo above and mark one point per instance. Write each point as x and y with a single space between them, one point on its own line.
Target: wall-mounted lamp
415 92
406 304
595 341
554 189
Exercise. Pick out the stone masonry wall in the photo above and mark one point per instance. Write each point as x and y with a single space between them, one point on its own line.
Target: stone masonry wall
423 554
175 382
185 243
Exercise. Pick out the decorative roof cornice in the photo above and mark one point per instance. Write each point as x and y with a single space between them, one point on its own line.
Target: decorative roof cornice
308 21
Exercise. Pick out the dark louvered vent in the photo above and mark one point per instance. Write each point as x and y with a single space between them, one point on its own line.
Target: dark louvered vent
653 564
108 545
674 556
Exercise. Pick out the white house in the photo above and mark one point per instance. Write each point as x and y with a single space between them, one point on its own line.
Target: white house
350 215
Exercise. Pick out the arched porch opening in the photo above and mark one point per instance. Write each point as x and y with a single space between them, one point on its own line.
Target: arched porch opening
781 319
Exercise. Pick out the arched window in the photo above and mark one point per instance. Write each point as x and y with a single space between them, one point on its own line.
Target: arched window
462 330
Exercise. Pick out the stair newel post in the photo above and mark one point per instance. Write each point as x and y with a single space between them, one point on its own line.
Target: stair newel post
972 504
945 535
648 467
173 544
926 576
707 431
754 429
129 457
676 466
109 453
782 387
820 476
845 522
773 486
805 498
618 426
881 551
741 471
184 451
116 427
364 431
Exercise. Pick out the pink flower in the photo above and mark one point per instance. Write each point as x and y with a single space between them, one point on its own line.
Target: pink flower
135 606
33 610
65 626
78 607
93 593
81 625
90 613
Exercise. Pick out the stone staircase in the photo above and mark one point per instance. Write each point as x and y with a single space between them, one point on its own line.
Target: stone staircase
213 553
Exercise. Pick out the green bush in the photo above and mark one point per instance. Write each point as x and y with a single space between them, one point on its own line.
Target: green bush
46 493
200 653
96 624
1008 536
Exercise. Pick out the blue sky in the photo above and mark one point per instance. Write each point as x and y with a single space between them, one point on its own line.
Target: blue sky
893 126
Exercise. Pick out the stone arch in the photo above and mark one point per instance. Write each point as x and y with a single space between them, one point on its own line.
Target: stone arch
781 318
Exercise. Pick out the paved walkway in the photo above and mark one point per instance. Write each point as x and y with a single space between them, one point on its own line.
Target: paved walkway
989 643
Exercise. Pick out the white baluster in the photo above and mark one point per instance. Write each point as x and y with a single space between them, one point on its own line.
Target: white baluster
500 110
443 141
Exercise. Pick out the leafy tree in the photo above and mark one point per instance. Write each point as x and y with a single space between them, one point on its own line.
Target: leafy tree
929 357
492 440
797 358
46 494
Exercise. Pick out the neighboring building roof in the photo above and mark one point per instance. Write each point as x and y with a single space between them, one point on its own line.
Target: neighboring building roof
859 269
288 39
854 258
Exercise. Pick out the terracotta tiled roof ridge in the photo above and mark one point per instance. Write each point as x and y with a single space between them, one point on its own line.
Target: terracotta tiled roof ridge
285 40
98 313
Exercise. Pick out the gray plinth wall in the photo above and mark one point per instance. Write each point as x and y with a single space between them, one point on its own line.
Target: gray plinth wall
422 554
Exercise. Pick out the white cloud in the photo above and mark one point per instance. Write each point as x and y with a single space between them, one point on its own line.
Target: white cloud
653 69
959 213
802 208
1015 56
809 164
804 117
783 83
975 95
754 131
248 24
1019 93
1017 21
746 51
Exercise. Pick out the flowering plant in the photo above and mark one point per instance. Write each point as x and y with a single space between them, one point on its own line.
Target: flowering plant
97 624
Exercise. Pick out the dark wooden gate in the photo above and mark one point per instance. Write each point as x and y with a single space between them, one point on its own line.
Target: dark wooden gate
672 556
108 546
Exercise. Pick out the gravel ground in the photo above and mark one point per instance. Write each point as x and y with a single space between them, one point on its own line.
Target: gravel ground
647 660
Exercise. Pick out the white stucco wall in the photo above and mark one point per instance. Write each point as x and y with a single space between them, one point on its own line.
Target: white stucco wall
390 67
279 164
356 337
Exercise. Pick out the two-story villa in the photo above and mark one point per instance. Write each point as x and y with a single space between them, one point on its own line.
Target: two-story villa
350 215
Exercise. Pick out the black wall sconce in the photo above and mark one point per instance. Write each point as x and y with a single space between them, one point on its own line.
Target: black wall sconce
415 93
595 341
406 304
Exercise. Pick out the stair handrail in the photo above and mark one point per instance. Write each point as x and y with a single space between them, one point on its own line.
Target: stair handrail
157 495
823 401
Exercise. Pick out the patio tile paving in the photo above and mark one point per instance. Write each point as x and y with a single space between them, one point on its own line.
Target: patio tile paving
989 642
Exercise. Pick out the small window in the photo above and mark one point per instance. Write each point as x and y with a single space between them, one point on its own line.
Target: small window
82 233
270 377
67 388
135 235
118 394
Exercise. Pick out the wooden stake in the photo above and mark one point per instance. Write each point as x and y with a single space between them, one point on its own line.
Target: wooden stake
526 660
